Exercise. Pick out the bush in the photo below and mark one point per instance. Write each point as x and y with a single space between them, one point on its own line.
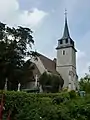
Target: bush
57 106
51 82
72 94
64 97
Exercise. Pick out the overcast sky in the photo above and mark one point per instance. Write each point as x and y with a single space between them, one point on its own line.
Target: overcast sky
46 18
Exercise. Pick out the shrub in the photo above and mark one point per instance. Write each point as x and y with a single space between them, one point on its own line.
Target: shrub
57 106
51 82
64 97
72 94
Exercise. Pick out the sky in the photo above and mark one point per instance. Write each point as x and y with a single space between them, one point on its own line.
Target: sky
46 19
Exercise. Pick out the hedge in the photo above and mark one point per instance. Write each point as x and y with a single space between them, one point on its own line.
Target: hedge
58 106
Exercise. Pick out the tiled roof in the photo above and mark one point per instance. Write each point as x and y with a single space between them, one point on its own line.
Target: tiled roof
49 64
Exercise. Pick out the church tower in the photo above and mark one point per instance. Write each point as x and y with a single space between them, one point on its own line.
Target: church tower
66 59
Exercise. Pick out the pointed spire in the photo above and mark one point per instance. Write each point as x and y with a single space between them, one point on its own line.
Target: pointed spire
66 30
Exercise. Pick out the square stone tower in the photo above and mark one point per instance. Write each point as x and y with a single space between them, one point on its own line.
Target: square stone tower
66 59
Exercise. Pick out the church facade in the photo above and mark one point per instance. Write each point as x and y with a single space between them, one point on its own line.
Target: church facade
64 64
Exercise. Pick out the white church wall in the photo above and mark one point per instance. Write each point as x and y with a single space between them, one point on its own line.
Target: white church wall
73 58
64 71
39 65
66 59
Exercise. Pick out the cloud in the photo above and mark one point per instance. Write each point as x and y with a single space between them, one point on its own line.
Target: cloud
83 55
81 61
32 18
10 13
80 54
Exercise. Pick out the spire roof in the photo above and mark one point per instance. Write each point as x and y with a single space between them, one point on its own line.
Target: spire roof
66 30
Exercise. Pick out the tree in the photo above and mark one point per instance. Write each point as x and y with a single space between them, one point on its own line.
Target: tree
85 83
51 82
15 46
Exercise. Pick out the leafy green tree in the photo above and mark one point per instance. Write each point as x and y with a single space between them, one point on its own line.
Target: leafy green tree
85 83
15 46
51 82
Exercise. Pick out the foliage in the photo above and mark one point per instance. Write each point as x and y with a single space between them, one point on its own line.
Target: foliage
15 46
50 82
72 94
85 83
56 106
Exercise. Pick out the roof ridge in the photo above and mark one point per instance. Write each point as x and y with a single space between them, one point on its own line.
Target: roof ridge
46 57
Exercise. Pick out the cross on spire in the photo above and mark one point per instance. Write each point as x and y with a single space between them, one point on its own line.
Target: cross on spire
66 30
65 13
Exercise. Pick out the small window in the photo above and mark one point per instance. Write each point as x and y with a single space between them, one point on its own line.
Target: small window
63 52
60 41
66 40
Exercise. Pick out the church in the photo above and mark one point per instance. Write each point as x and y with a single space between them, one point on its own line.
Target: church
64 64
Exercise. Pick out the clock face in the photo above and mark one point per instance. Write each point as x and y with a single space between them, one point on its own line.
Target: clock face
71 73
